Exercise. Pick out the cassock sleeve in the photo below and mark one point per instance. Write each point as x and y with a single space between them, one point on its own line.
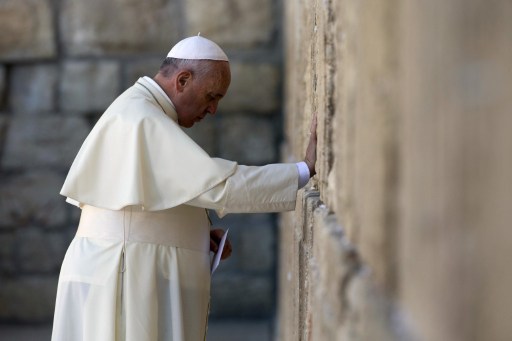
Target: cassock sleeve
251 189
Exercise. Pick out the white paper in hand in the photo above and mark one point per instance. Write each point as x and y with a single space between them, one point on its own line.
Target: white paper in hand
216 258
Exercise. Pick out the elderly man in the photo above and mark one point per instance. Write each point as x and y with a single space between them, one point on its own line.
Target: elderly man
139 266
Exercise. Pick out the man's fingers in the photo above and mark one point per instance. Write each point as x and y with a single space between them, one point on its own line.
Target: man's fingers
215 238
214 247
312 128
227 250
216 234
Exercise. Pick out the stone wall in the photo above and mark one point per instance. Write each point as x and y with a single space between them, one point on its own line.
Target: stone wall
62 62
404 234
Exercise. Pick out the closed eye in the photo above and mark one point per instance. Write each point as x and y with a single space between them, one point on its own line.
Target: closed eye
213 97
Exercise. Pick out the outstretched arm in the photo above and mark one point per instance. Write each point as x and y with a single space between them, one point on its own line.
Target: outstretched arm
270 188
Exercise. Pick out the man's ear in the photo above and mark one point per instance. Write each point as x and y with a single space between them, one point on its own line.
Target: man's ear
182 80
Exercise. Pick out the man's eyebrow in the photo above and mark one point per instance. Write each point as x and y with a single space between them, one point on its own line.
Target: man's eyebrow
215 95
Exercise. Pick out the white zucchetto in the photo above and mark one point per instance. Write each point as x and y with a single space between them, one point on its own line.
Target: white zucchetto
197 47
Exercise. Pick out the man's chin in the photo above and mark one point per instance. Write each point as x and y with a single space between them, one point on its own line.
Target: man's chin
185 124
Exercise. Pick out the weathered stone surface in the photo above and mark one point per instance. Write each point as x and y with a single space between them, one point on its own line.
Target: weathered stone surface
204 134
308 269
119 27
253 240
257 245
33 88
247 140
456 191
371 317
28 299
334 262
38 251
2 86
231 23
347 81
88 86
4 120
145 67
295 271
254 88
26 29
288 300
74 213
376 141
323 70
237 295
414 163
43 141
32 198
342 64
7 247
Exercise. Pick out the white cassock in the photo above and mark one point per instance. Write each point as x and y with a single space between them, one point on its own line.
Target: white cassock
138 268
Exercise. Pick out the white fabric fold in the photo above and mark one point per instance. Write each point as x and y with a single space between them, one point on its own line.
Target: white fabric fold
116 283
137 154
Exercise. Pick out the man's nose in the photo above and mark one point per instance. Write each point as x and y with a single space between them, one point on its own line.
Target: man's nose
212 108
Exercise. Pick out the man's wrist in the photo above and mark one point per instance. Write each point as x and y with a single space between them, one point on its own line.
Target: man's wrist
311 166
304 173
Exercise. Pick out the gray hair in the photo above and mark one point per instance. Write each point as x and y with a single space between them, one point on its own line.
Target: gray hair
198 68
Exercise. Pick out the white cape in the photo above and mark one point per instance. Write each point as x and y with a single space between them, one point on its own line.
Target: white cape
138 155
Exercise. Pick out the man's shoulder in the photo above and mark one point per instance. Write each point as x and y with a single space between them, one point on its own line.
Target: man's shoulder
134 103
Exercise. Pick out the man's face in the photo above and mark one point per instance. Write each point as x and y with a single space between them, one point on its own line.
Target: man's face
201 96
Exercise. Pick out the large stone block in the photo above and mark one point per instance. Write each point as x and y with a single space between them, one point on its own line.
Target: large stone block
308 270
140 68
257 245
247 140
2 86
254 88
39 251
371 315
4 121
347 92
309 73
7 247
119 27
374 142
253 240
237 295
334 261
288 298
204 134
88 86
28 299
297 274
33 88
455 240
243 23
26 30
32 198
296 77
43 141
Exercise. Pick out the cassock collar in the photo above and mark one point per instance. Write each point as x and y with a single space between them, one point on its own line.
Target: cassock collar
157 92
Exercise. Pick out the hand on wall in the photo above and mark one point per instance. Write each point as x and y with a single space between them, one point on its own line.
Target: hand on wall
310 157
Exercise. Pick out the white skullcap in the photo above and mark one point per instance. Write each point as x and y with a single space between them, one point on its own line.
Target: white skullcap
197 47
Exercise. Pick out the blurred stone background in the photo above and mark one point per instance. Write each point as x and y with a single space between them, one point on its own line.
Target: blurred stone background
62 62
